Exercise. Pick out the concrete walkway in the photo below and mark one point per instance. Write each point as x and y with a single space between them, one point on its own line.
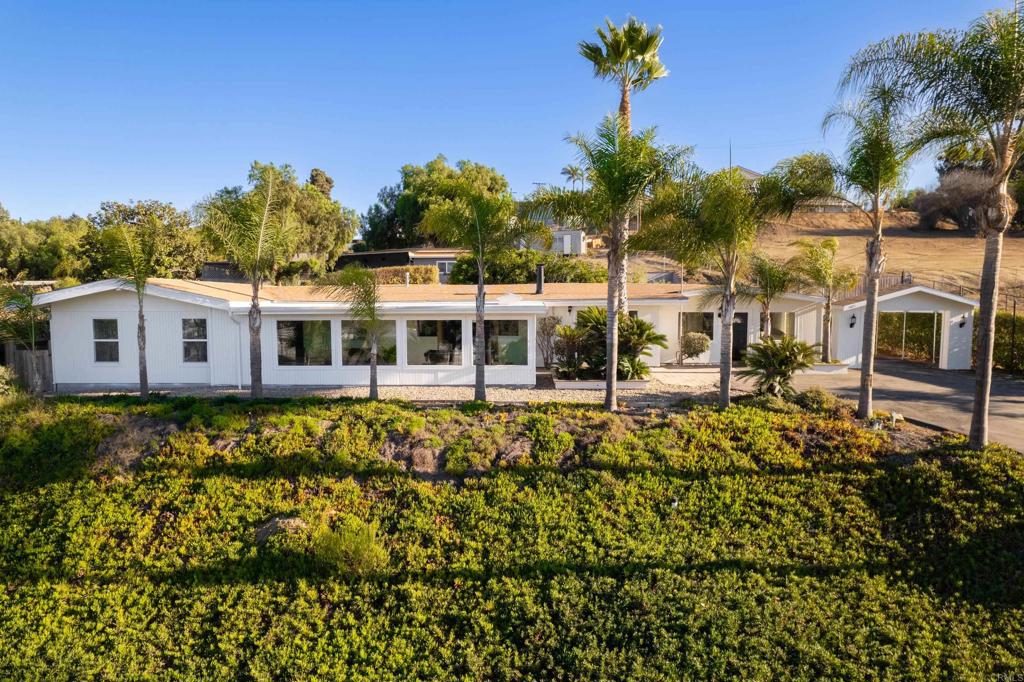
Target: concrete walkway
939 397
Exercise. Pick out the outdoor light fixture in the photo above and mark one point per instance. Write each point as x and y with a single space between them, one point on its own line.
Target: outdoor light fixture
570 310
853 321
963 320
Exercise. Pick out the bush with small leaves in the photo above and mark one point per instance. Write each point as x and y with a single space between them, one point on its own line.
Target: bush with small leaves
352 549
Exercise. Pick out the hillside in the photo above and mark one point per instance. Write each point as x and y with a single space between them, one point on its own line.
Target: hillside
315 539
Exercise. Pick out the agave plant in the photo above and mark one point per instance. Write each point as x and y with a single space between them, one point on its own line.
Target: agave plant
773 362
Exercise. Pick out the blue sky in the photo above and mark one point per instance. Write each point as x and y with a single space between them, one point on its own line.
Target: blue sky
170 101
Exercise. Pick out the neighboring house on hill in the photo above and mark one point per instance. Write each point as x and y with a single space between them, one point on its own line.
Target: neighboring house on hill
198 334
443 258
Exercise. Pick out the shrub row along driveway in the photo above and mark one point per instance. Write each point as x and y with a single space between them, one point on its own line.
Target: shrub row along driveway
935 396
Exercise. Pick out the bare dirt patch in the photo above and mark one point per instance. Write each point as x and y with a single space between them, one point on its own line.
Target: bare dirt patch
134 438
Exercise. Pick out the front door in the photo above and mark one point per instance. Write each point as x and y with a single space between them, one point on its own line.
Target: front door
739 336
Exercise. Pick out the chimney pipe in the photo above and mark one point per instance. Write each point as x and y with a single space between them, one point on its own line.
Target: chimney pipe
540 278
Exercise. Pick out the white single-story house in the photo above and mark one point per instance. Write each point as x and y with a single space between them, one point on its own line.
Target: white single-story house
197 332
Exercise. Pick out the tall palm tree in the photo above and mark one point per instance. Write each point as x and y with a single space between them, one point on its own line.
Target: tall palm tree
573 174
623 169
134 251
713 219
628 56
258 234
882 141
359 287
819 269
971 86
464 211
770 279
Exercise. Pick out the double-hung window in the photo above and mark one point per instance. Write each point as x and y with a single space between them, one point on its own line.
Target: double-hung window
303 342
193 340
104 341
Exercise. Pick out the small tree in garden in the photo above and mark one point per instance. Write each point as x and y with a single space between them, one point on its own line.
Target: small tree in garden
773 362
359 287
770 279
580 350
465 210
257 230
134 254
21 323
819 269
547 331
693 345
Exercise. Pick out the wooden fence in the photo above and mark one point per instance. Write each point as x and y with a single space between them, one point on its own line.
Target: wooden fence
34 369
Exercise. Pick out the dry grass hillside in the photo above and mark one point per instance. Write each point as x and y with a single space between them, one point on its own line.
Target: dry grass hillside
945 254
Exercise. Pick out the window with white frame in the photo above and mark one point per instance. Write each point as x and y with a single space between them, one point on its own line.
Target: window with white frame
783 324
444 267
505 342
106 347
193 340
303 342
355 344
433 342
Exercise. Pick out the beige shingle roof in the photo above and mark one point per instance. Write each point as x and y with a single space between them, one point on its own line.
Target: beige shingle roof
241 292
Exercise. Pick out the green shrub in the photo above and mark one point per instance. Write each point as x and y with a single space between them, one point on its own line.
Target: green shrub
820 401
580 350
8 382
418 274
520 267
773 363
353 549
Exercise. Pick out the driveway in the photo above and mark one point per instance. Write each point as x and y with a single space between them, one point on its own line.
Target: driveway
940 397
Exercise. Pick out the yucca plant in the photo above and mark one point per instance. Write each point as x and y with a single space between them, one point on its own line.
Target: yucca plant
773 363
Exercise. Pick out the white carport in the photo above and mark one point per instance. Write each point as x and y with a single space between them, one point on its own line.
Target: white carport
954 327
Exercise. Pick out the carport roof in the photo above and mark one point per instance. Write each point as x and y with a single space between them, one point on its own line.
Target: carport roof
906 290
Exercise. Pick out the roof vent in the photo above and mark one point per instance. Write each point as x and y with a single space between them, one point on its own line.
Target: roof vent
540 278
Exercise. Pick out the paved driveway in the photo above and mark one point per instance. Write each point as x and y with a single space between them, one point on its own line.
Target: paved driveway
935 396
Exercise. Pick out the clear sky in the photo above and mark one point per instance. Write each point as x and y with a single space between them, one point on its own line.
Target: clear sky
172 100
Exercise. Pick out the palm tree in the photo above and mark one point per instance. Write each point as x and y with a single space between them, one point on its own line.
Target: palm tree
134 251
713 219
879 149
258 234
20 322
358 286
466 212
573 174
770 279
628 56
623 168
819 269
971 86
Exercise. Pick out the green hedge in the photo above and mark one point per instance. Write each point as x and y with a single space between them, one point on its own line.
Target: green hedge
520 267
573 544
920 335
1009 355
418 274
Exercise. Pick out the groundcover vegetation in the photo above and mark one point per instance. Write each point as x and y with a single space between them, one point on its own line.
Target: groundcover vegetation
308 539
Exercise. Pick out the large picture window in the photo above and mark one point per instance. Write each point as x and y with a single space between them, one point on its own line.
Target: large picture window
434 342
303 342
697 322
193 340
104 341
355 344
505 342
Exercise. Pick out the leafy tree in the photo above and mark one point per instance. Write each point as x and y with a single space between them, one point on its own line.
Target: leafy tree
359 287
382 227
627 55
819 268
770 279
257 231
324 227
520 267
183 250
880 147
773 363
623 169
713 219
470 209
971 85
22 323
44 249
135 250
321 181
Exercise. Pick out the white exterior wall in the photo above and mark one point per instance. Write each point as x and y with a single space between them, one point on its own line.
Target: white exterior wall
72 342
956 342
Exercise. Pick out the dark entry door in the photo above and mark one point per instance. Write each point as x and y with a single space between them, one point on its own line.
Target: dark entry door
739 336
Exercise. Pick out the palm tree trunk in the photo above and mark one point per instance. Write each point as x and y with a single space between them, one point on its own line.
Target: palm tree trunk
826 336
479 358
255 344
373 368
872 273
766 314
622 271
986 338
725 358
625 109
143 371
611 375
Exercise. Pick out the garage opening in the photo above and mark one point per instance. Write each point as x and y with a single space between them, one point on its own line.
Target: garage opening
910 336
